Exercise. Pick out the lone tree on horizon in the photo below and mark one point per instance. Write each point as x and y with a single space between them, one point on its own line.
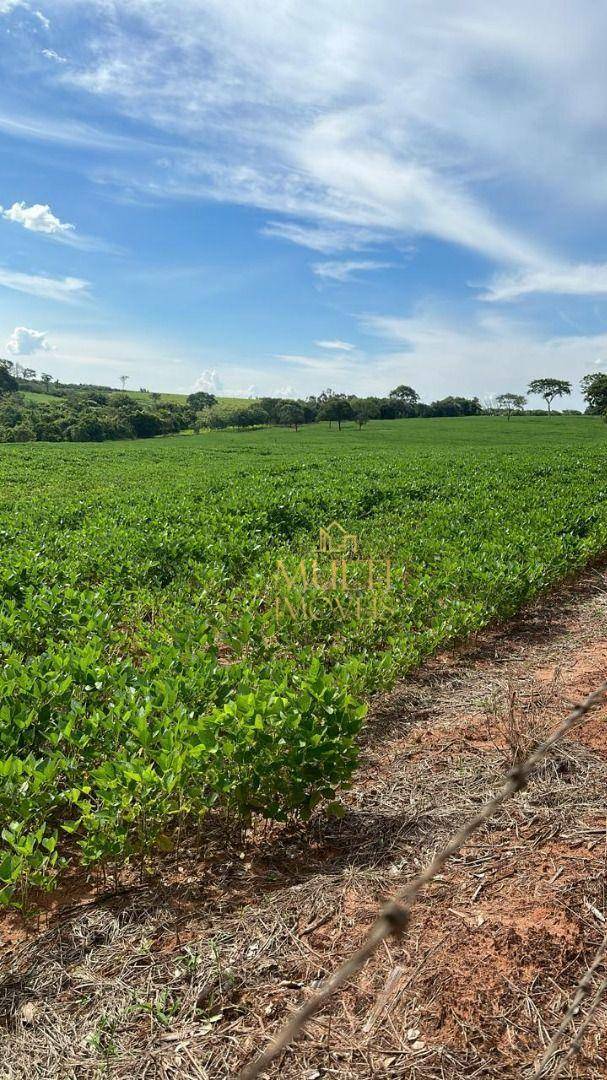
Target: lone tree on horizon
549 389
511 403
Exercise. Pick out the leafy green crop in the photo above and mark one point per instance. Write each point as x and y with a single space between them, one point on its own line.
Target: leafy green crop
148 677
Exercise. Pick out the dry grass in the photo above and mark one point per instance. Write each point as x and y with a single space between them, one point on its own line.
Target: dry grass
189 974
516 717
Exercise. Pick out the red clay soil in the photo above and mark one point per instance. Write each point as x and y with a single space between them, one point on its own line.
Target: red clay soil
189 973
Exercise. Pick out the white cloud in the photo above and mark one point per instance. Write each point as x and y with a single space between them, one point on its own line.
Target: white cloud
283 392
209 381
344 271
65 289
482 357
43 19
36 218
24 341
52 55
314 363
68 132
585 279
6 6
325 239
341 346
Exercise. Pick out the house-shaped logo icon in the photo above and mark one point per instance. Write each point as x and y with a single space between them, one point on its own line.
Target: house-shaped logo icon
336 540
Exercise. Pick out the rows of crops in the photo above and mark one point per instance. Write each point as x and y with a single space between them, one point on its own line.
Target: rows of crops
151 672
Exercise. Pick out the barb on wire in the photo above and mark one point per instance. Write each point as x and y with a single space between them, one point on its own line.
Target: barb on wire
395 916
582 991
575 1045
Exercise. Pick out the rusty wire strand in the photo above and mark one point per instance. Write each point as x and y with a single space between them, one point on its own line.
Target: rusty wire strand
395 916
582 991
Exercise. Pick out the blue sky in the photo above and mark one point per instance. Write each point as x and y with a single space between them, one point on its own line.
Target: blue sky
279 197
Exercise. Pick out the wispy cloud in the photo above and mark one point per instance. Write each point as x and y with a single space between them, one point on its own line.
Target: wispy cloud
50 54
70 132
345 270
66 290
315 363
340 346
585 279
482 356
324 239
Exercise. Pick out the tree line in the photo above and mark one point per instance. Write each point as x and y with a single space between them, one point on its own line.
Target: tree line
85 413
402 403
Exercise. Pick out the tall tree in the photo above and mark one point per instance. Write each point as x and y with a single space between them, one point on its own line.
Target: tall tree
8 384
549 389
325 395
406 394
201 400
291 414
364 409
511 403
594 389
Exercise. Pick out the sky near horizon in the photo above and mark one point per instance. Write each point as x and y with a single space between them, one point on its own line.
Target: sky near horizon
278 197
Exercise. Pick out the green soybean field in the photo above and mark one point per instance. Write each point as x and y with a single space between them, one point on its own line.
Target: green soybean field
177 643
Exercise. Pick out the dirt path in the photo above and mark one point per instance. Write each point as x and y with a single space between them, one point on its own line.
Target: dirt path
189 975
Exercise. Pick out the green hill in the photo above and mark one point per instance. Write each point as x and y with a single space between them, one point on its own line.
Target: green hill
37 394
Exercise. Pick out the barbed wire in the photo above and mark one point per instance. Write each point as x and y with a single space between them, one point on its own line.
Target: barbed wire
582 991
575 1046
395 916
